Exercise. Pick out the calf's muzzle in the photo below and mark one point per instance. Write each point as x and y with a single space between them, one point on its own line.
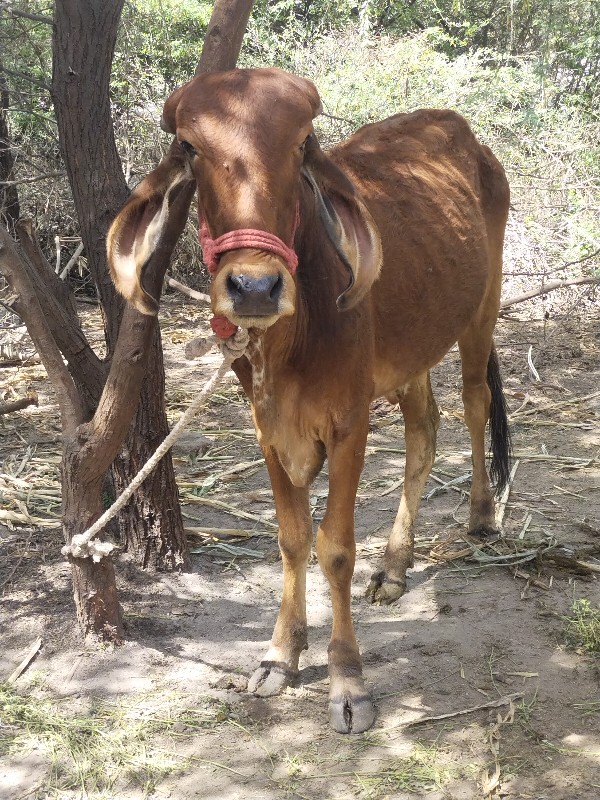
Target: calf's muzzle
254 296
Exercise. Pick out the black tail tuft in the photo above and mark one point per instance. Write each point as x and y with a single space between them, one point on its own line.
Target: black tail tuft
500 435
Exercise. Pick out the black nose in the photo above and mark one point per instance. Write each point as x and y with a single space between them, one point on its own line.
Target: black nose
254 297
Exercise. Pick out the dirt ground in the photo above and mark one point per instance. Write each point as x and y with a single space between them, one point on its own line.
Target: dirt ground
467 634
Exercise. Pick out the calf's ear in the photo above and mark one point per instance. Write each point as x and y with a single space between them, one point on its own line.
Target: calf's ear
349 225
152 219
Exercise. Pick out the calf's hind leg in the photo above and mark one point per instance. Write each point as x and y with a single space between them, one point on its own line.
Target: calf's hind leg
421 421
482 393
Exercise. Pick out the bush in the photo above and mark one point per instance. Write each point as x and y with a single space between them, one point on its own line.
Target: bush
532 108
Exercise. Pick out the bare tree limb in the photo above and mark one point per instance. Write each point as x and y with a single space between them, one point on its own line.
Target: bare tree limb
58 306
15 74
9 197
63 274
548 287
34 179
28 307
15 12
581 260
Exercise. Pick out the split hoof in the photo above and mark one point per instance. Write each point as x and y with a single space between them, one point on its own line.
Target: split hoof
385 590
270 678
351 714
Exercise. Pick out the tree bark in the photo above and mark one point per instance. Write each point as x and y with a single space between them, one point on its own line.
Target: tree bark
224 36
9 199
85 33
89 447
94 583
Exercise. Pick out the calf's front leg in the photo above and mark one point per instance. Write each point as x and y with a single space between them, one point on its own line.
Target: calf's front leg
350 706
279 667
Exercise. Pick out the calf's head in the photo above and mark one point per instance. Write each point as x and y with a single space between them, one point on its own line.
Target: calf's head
245 139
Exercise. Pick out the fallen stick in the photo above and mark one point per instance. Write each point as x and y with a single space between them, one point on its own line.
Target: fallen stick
501 509
502 701
31 654
181 287
573 401
203 532
236 512
16 405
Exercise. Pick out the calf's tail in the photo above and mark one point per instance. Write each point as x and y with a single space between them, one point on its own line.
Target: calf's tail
500 434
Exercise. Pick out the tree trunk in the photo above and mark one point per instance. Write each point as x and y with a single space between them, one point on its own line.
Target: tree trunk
84 39
9 198
160 538
94 584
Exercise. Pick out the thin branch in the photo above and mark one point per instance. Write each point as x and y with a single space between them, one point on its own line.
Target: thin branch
28 307
581 260
337 119
15 74
26 15
71 261
45 177
549 287
181 287
502 701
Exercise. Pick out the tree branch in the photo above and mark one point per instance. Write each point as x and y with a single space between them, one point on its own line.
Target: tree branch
26 14
58 306
549 287
25 77
28 307
16 405
224 35
34 180
128 368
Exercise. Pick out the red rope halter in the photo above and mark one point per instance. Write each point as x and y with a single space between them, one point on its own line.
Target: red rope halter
212 249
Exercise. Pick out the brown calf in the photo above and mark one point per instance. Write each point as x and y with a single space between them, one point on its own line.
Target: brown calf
401 229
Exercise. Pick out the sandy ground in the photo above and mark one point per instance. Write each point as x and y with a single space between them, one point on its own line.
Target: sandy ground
465 634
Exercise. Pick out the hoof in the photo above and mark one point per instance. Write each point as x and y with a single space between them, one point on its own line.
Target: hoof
385 590
483 531
351 714
270 678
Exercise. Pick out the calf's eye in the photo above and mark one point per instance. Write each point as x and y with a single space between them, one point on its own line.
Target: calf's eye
188 148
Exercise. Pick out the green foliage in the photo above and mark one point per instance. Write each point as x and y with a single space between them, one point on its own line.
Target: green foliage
159 44
564 37
524 74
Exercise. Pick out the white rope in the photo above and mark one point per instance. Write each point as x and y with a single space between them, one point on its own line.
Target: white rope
82 544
